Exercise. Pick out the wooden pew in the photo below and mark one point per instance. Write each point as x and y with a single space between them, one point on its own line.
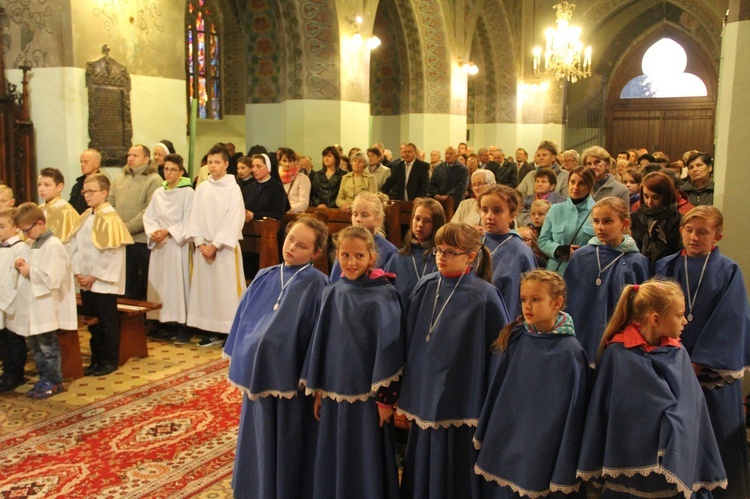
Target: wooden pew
398 219
71 363
449 206
262 237
337 220
320 263
132 317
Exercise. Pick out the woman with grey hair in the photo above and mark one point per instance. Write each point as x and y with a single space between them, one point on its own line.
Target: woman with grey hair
570 159
468 209
356 181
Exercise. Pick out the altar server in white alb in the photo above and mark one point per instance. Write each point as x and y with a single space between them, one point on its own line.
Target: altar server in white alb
60 215
165 223
215 228
45 298
97 247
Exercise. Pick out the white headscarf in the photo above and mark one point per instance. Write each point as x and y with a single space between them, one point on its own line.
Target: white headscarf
268 162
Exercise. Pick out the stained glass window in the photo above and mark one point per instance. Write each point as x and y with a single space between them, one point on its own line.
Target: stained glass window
203 59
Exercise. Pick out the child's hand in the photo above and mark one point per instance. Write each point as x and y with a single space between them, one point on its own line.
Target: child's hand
316 406
248 216
22 267
85 281
209 252
159 235
386 413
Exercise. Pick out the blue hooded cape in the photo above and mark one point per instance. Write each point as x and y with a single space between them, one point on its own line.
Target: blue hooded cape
509 261
276 442
531 451
386 249
647 426
410 268
357 349
267 347
591 306
445 382
718 338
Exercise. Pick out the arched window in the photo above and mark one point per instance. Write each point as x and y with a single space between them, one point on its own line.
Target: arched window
664 74
203 59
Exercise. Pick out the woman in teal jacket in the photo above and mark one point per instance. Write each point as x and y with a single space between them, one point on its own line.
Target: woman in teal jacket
567 225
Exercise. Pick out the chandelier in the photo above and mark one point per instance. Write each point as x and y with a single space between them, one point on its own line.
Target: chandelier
564 57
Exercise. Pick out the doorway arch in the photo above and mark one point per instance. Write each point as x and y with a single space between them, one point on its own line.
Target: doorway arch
672 125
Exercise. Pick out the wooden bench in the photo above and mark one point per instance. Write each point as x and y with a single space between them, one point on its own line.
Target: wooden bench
71 363
320 263
449 206
262 237
337 220
398 219
132 317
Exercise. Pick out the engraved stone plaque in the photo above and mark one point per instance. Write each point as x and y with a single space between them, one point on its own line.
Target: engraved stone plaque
110 126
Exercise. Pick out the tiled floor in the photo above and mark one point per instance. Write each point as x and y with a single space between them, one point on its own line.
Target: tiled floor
18 411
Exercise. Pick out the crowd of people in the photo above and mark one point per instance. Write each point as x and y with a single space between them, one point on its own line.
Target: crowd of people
574 322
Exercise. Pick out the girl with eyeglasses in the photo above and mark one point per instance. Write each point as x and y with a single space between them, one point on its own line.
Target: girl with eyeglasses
454 316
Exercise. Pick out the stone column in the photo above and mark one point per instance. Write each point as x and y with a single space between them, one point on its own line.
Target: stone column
733 134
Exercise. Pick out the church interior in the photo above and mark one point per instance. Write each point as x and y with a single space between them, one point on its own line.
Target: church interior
310 73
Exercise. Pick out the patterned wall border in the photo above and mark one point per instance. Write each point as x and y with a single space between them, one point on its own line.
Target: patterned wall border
437 56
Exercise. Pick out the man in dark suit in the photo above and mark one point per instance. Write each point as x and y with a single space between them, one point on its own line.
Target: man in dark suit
522 164
409 178
450 178
504 174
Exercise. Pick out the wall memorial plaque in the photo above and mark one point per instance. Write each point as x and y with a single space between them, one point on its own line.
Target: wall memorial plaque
110 126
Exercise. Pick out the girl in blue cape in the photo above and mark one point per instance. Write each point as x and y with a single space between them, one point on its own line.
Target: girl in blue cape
598 272
529 433
454 316
368 212
717 335
353 365
267 346
647 431
415 259
511 257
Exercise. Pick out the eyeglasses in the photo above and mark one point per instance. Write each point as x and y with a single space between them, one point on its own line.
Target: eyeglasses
86 192
476 186
172 170
27 230
448 254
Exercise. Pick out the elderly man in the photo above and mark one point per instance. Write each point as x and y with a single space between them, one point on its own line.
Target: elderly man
409 177
450 178
130 194
91 160
505 173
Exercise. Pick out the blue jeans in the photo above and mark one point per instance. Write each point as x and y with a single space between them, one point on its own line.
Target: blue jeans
46 350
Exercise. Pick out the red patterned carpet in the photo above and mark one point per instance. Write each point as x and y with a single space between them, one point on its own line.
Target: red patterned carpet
171 438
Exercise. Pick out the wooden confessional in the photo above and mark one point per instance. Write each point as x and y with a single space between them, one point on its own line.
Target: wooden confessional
17 155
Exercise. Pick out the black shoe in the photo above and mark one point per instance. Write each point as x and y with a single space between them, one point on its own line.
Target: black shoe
8 383
90 370
104 369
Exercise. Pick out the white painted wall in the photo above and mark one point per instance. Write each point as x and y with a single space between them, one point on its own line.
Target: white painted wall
59 111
